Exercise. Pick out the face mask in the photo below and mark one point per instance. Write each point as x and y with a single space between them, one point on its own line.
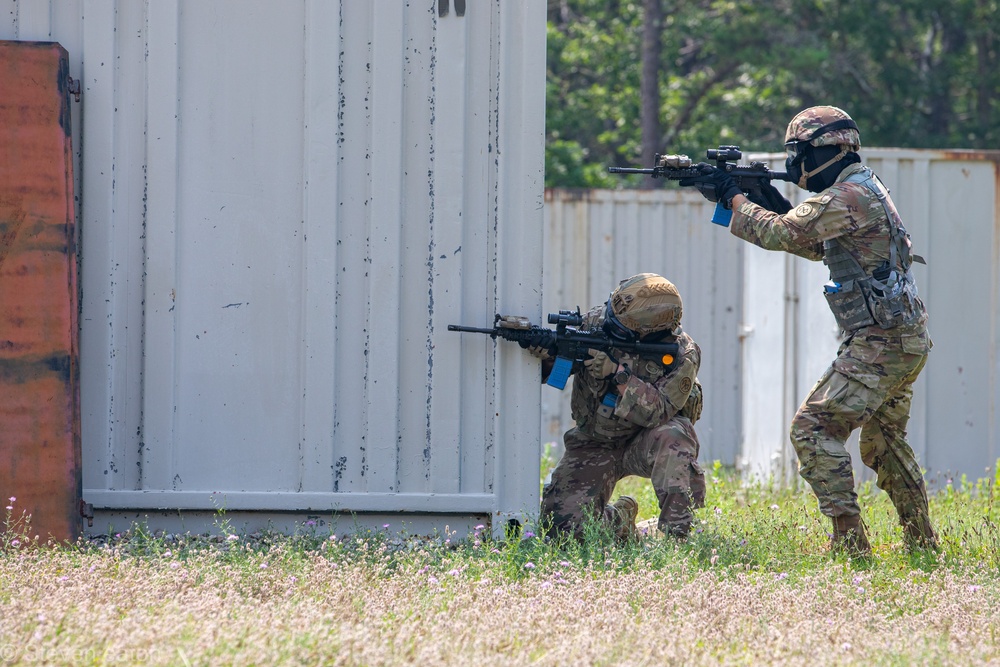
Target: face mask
811 179
794 168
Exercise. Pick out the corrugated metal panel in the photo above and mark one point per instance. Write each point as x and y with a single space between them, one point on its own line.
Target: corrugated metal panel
594 239
284 206
949 203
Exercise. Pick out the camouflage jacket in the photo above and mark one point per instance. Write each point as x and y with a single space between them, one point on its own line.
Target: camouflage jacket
653 395
849 212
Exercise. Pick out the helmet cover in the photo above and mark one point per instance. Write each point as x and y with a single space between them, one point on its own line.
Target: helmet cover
646 303
811 125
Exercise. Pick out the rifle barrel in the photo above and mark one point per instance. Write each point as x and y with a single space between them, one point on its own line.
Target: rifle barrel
458 327
630 170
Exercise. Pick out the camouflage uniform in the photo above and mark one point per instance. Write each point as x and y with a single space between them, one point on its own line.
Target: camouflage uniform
870 383
649 433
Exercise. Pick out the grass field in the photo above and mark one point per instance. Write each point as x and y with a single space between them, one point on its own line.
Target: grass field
754 585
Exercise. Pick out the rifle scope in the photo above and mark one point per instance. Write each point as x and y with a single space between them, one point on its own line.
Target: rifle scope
570 318
724 153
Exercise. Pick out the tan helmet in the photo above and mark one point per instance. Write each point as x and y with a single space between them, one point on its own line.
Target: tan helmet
646 303
824 126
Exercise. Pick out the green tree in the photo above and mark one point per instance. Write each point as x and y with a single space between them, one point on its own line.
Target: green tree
913 73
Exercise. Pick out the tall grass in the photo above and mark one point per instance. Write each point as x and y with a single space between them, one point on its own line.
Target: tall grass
753 584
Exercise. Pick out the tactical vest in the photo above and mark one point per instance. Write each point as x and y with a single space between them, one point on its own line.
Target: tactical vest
593 402
888 298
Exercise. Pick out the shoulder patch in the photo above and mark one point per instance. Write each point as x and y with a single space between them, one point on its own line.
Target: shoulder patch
804 210
686 385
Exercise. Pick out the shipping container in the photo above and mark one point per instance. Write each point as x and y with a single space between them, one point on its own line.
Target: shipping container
283 206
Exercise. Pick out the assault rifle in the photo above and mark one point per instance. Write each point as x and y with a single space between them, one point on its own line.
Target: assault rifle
568 342
749 178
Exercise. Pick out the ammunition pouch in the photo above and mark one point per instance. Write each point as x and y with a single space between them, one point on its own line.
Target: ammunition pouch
850 306
859 303
895 306
886 299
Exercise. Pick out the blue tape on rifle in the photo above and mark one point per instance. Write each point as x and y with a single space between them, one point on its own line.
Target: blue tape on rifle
560 373
722 215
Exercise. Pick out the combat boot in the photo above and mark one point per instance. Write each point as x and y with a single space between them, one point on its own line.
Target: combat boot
918 534
849 537
623 513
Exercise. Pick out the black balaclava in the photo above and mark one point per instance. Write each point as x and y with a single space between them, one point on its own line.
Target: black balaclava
812 158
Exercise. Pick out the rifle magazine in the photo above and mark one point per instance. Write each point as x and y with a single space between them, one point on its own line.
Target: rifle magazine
561 371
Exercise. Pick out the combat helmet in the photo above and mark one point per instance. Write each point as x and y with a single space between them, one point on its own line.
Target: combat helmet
824 126
643 304
807 137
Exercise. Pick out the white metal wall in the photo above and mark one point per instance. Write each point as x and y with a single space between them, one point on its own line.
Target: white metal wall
596 238
283 206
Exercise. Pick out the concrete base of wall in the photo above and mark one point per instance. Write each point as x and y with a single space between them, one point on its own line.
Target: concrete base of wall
241 523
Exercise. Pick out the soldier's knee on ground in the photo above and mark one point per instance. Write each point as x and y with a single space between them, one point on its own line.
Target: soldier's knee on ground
675 513
554 519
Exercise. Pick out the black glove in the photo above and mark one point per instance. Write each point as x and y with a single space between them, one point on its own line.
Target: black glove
540 343
714 184
769 197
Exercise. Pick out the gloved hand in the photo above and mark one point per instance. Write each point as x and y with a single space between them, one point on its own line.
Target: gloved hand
713 183
693 405
599 365
542 353
770 199
539 344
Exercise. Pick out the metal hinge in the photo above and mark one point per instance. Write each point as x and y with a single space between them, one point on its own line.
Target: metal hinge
87 512
459 7
74 88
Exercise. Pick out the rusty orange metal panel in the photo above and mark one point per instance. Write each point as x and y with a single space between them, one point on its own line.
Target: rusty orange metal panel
39 386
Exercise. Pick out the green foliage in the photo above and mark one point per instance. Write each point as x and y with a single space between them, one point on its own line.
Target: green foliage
753 584
15 530
744 528
767 528
912 73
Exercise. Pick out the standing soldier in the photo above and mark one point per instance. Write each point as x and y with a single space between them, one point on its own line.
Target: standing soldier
634 415
851 225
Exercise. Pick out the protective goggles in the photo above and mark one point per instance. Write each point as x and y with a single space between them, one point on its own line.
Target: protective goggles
796 148
614 328
796 151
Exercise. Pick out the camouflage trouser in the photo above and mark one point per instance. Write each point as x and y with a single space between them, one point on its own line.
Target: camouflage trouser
585 478
870 385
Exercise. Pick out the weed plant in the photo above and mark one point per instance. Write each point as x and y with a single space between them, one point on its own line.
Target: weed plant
753 584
